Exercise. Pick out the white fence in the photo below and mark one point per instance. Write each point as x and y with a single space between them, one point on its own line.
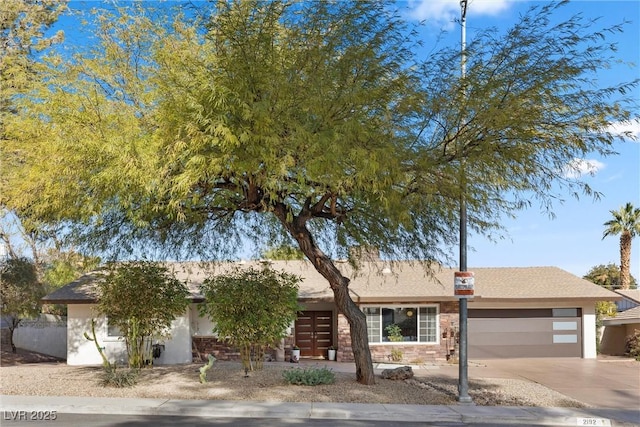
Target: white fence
46 335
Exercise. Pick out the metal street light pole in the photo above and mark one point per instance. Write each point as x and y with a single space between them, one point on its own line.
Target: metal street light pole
463 381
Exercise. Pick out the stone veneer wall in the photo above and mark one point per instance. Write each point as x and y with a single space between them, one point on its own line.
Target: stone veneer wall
202 346
379 353
410 353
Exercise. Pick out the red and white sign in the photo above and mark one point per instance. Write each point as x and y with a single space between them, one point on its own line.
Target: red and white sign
463 283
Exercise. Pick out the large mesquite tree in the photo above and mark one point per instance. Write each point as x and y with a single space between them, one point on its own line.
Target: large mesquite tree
310 122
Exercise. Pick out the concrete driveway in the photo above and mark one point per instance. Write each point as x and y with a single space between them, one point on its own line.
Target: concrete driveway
613 383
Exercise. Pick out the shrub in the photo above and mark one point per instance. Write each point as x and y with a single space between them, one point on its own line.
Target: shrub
113 377
632 347
252 308
309 376
396 354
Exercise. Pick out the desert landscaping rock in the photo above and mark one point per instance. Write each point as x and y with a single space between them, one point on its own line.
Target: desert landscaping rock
399 373
227 381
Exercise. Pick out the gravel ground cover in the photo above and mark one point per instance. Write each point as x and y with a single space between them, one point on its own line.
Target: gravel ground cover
227 381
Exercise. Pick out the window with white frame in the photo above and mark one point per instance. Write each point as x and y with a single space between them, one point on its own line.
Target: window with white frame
407 324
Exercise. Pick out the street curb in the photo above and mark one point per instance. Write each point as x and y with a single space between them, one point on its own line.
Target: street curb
495 415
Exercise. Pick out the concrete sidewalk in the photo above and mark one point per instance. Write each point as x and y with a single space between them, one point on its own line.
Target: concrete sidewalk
493 415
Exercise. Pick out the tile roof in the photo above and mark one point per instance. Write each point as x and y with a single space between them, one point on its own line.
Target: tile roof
384 282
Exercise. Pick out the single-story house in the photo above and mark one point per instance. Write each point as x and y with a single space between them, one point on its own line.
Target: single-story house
616 329
516 312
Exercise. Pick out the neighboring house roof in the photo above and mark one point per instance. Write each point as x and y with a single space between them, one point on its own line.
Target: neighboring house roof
624 317
383 282
631 294
82 290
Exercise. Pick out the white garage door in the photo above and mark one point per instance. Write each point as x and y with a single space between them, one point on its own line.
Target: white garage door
512 333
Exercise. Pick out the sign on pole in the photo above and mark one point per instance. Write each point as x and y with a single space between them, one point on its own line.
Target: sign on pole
463 284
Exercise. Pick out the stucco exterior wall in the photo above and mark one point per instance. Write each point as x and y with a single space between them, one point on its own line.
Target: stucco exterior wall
80 351
200 326
614 338
178 348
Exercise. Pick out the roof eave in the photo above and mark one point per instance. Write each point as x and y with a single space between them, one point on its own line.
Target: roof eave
617 322
547 299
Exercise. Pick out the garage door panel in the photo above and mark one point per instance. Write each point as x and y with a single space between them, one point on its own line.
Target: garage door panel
511 337
500 352
509 325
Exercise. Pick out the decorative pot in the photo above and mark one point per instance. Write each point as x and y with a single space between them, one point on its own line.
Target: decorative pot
331 354
295 355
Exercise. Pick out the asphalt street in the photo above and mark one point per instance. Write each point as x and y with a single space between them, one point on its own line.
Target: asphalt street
103 420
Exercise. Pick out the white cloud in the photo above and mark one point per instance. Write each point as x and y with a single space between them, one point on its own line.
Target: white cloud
581 167
444 12
630 127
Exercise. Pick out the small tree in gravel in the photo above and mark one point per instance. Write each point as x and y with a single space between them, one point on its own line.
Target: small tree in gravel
142 299
20 293
251 309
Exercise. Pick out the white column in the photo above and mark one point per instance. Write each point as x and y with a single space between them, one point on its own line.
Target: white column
589 332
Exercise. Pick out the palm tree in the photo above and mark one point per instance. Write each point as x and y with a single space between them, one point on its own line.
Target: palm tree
626 223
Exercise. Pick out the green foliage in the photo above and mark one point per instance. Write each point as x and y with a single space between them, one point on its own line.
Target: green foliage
625 220
608 276
626 223
316 121
173 141
309 376
111 376
396 354
394 332
20 292
119 378
632 345
605 309
251 308
23 24
63 268
283 252
205 368
105 362
142 299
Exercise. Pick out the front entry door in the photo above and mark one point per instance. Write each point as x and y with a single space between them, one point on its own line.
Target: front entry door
314 333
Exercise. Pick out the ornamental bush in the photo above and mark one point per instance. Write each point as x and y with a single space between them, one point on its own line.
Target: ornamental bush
632 347
309 376
119 378
251 308
142 299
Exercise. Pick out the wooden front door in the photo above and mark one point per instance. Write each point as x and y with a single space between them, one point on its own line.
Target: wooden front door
314 333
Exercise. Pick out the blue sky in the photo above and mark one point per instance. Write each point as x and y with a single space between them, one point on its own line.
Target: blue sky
573 240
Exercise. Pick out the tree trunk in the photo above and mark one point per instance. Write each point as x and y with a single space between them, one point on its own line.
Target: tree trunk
13 324
625 258
340 287
13 346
